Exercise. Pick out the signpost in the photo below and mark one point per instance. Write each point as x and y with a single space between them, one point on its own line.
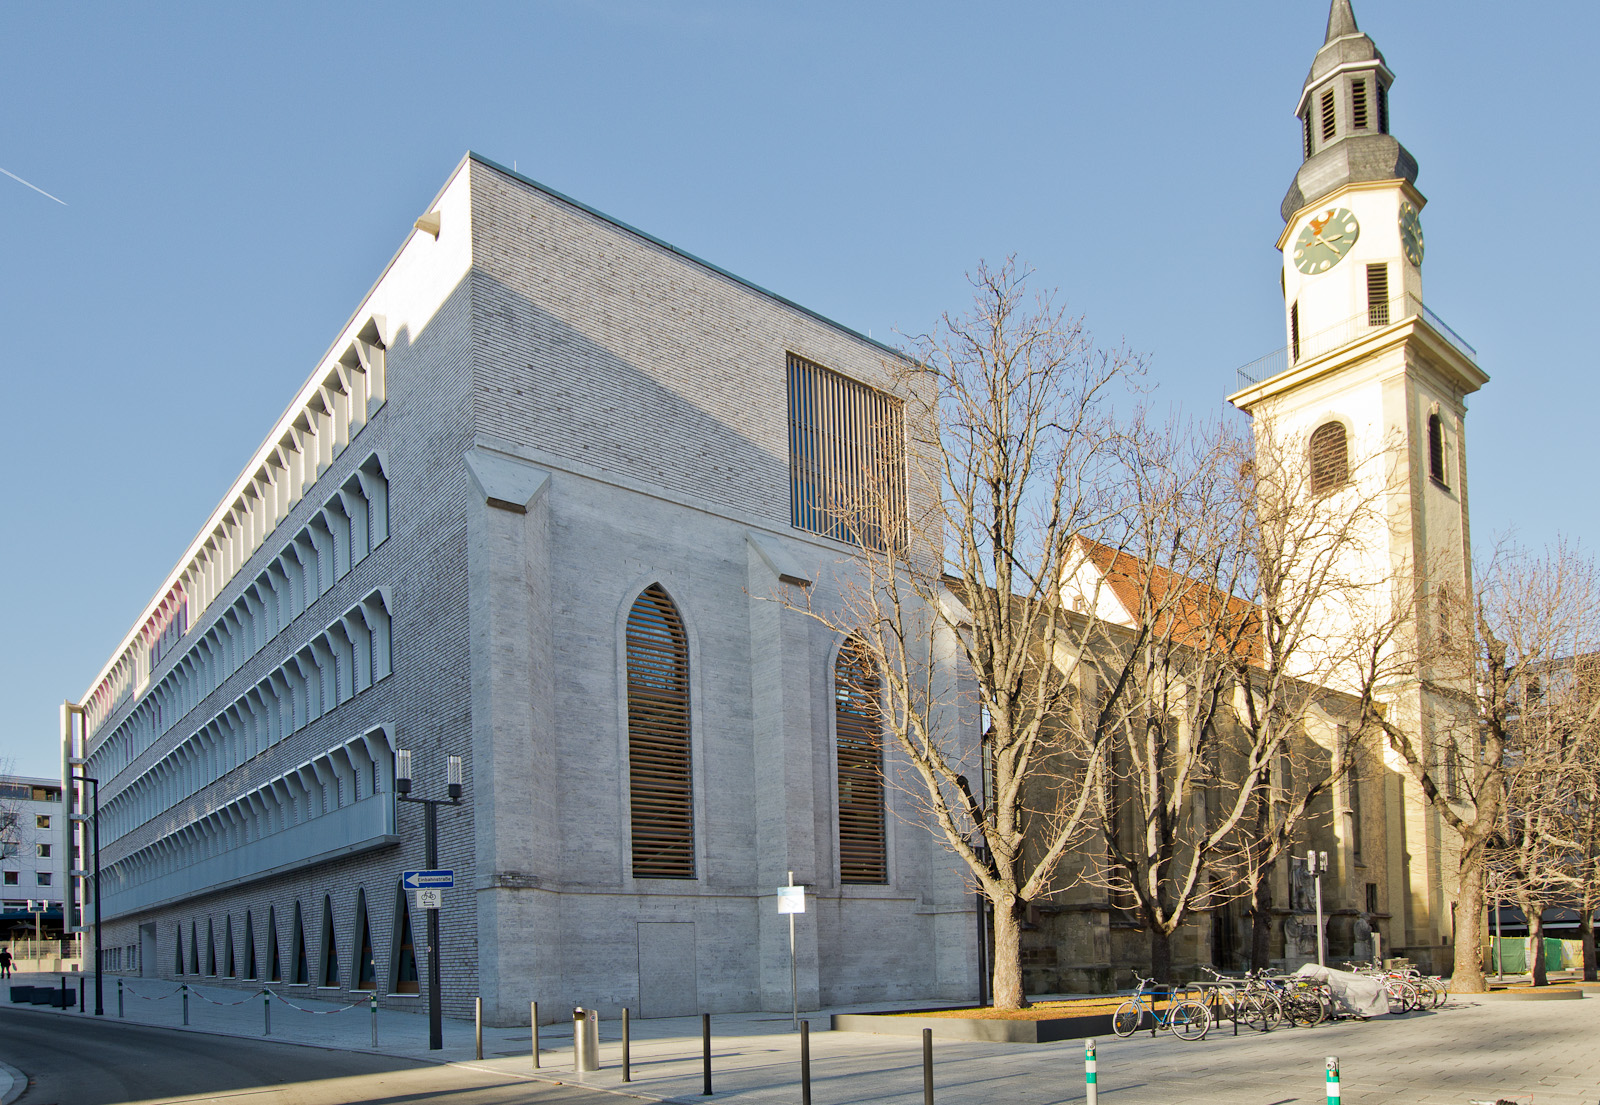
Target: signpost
792 900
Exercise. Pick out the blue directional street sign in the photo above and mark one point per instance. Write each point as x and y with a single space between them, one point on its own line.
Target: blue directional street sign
428 880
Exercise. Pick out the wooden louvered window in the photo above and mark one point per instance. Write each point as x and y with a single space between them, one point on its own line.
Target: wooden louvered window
863 856
1305 134
1377 295
1358 105
1436 450
1383 108
1330 458
660 786
1327 116
1294 331
847 471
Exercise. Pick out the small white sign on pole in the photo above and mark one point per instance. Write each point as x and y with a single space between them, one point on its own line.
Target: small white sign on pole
430 898
791 899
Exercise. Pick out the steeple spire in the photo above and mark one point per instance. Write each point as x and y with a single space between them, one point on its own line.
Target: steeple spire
1344 117
1341 21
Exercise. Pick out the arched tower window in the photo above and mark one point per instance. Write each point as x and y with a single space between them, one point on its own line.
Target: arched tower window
859 734
1436 464
660 784
1330 458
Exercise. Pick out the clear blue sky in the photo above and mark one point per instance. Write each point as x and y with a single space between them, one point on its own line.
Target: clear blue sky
236 176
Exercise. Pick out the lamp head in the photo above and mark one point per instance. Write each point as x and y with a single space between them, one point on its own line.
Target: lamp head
402 770
454 779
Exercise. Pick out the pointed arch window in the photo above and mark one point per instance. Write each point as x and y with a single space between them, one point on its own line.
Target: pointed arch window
660 784
211 948
404 978
365 968
178 968
329 976
1438 450
194 948
274 963
249 945
227 948
1330 458
299 969
858 731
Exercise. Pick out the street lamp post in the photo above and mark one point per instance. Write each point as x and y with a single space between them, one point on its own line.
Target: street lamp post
99 993
430 834
1316 864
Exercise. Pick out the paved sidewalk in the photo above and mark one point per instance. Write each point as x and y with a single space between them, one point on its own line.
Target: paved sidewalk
1470 1050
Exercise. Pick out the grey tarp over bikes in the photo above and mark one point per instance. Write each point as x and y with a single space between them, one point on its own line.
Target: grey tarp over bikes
1358 994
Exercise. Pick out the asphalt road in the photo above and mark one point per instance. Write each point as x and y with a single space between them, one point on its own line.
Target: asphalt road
81 1062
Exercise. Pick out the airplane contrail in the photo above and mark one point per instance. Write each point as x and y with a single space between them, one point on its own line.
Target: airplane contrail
35 187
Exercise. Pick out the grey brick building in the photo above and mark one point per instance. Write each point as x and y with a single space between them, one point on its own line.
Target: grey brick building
537 507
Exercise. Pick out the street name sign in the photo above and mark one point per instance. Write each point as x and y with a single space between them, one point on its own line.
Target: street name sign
428 880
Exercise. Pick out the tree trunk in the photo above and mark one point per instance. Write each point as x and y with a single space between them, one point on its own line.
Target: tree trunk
1586 920
1467 977
1007 989
1261 925
1160 955
1535 915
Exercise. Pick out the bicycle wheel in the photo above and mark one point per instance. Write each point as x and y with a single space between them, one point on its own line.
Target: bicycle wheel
1272 1005
1304 1009
1251 1011
1125 1021
1398 1001
1188 1020
1441 992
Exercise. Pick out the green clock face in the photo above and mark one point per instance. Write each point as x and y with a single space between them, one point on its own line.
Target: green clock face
1411 234
1325 240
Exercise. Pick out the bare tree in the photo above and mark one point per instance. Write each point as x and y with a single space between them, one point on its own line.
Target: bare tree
1006 464
1476 658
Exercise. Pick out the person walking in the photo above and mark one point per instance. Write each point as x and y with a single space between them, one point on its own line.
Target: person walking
5 962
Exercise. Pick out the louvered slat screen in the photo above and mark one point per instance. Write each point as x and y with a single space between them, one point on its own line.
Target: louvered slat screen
859 727
1377 295
660 785
1327 116
846 458
1358 105
1330 464
1294 330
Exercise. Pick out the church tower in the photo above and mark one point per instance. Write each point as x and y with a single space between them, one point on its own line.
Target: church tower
1370 392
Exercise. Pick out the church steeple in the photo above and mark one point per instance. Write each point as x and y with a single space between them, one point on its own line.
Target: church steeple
1344 117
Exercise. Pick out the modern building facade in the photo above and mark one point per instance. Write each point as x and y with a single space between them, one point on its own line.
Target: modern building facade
33 858
544 506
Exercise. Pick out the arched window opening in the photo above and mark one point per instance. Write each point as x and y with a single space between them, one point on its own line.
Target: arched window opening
227 948
405 979
250 946
366 964
194 948
274 963
330 947
1436 450
211 948
660 782
178 967
299 969
858 727
1330 458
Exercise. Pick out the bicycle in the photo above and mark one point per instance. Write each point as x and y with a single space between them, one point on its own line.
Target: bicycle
1187 1020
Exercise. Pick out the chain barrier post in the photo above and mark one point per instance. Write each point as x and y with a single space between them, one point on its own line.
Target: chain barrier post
477 1026
1333 1080
374 1020
1091 1074
927 1066
627 1071
805 1063
266 1013
705 1052
119 997
80 993
533 1018
185 989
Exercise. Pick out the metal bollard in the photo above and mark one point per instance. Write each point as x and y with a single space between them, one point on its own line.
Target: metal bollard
705 1052
63 993
119 997
1333 1080
533 1019
1091 1074
374 1020
185 1003
80 993
927 1066
477 1027
805 1063
627 1071
266 1015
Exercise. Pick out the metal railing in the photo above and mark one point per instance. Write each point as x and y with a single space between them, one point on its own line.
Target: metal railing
1376 317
